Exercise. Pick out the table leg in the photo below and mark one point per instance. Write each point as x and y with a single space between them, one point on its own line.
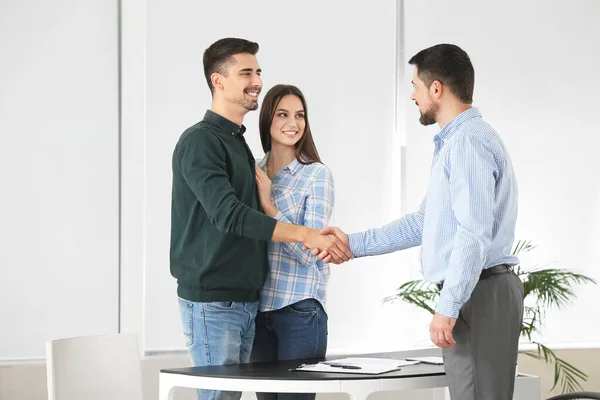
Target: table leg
165 388
359 395
360 390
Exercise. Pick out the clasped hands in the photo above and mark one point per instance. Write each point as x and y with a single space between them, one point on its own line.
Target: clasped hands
330 245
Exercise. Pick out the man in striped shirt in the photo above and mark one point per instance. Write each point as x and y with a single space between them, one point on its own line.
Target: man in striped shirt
466 227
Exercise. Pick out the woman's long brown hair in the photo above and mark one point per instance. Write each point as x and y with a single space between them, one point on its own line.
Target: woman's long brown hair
306 151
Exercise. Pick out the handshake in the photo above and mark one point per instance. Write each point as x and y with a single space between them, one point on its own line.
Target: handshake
329 245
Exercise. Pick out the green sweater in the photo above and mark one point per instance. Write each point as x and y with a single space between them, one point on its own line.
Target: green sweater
218 232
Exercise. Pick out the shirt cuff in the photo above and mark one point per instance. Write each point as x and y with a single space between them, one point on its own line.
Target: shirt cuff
357 244
280 217
448 308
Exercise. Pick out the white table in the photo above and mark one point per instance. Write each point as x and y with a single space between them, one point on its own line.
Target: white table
275 377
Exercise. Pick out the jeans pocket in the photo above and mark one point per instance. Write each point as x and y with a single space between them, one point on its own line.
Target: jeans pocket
186 311
221 305
307 307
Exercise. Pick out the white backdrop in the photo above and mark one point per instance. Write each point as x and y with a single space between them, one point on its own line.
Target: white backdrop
59 168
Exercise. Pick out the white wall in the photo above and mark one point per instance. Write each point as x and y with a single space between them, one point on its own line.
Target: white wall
59 166
537 84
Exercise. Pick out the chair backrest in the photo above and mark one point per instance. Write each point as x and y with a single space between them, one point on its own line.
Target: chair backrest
94 368
578 395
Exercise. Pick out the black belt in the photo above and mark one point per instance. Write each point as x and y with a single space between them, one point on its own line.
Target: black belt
486 273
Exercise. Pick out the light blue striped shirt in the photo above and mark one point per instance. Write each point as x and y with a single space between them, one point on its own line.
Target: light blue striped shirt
304 195
466 222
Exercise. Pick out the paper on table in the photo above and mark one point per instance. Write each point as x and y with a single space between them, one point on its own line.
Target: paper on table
357 365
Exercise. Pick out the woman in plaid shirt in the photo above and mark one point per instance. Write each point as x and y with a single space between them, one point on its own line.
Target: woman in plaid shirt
294 187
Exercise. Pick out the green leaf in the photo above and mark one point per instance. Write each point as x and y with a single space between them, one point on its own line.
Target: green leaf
553 287
419 293
522 246
564 372
532 321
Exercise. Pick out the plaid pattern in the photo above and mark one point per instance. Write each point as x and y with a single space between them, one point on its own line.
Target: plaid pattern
304 195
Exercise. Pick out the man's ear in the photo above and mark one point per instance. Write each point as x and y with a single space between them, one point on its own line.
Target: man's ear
436 89
217 80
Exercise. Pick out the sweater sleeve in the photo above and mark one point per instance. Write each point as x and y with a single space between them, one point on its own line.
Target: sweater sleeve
202 161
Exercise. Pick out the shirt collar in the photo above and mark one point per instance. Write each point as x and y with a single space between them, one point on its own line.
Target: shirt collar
452 126
226 126
292 167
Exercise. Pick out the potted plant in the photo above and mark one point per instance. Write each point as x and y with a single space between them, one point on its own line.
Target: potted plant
544 288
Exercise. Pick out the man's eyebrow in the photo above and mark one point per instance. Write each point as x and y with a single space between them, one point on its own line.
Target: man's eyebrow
250 70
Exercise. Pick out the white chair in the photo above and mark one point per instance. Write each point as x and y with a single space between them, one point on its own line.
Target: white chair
94 368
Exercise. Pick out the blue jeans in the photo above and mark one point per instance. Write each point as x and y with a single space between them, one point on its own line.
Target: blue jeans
218 333
298 331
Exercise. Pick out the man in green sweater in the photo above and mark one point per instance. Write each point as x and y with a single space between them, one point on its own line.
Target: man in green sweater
218 233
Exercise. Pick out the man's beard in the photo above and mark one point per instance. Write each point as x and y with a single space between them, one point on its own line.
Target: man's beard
249 104
429 117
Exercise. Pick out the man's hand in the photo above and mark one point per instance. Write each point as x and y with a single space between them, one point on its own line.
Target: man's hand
328 247
323 254
263 183
440 331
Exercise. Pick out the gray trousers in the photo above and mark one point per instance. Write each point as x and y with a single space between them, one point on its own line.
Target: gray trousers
482 363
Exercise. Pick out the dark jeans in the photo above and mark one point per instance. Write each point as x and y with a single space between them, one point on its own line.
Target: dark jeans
294 332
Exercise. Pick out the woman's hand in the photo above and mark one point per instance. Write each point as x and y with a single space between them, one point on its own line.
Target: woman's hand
264 192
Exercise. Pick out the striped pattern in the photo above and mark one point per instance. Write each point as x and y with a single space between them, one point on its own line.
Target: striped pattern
467 220
304 195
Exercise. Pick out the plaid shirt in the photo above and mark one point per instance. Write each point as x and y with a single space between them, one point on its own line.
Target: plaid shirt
304 195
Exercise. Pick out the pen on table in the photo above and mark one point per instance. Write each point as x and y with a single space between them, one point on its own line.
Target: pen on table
344 366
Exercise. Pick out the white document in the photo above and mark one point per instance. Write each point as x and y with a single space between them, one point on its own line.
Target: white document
357 365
